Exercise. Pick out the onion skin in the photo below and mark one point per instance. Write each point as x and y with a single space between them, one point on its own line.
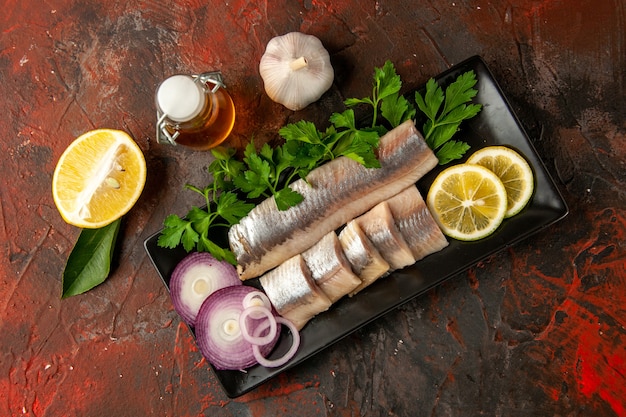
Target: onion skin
227 351
203 269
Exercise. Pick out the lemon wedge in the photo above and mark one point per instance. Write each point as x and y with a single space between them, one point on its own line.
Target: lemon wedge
98 178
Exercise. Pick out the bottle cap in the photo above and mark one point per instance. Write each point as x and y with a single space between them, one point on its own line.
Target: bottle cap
180 98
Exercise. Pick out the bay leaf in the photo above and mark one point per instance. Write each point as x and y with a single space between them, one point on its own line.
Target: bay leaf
89 263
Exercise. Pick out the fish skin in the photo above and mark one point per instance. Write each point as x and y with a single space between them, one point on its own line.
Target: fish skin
379 226
416 223
367 263
293 292
330 268
333 194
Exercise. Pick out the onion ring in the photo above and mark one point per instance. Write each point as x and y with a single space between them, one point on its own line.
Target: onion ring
254 298
256 312
274 363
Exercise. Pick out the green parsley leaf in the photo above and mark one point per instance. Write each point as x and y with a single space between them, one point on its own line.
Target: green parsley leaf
342 138
286 198
387 85
307 145
460 91
282 159
345 120
231 208
192 232
432 101
301 131
386 82
396 109
200 219
360 145
443 123
180 233
352 102
224 167
171 236
451 150
256 179
221 254
442 134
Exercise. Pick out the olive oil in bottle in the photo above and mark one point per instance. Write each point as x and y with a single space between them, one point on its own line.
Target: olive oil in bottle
194 111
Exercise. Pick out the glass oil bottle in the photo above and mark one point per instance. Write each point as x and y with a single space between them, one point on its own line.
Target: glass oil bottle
194 111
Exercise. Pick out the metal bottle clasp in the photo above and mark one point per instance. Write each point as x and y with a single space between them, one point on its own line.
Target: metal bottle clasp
163 135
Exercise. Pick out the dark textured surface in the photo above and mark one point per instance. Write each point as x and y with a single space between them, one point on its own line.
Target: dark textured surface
537 329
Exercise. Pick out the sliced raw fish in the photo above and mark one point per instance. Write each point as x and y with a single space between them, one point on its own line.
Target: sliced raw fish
416 223
334 193
330 268
293 292
379 226
365 259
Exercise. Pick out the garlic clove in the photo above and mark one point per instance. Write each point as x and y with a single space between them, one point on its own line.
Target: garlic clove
296 70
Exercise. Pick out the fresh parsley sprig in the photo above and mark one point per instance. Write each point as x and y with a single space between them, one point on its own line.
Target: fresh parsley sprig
224 168
312 147
269 173
223 209
443 122
386 98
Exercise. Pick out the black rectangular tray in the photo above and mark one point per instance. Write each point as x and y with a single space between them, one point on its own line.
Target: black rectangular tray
496 124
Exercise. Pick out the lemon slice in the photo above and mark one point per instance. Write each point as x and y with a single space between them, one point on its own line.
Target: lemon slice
513 171
98 178
468 201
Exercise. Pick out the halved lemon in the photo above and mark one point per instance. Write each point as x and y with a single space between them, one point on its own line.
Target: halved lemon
513 171
98 178
468 201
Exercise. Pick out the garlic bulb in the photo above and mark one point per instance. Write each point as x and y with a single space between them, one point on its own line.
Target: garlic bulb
296 70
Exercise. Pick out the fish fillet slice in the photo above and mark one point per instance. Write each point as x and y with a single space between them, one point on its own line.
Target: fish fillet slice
416 223
293 292
334 193
365 259
379 226
330 268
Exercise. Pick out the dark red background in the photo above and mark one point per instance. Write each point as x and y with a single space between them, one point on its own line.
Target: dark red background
537 330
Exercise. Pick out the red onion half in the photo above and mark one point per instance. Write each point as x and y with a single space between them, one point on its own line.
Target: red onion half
197 276
218 332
